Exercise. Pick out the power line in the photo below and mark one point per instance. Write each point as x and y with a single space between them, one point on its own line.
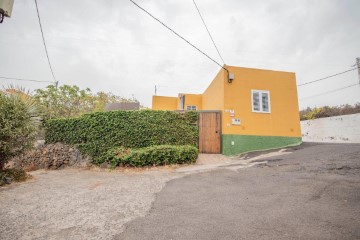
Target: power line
24 79
335 90
208 31
321 79
178 35
46 51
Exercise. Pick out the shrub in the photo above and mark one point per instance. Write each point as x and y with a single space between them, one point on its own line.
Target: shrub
19 124
151 156
9 175
326 111
96 133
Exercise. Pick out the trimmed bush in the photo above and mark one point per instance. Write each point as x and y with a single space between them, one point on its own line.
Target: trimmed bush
151 156
96 133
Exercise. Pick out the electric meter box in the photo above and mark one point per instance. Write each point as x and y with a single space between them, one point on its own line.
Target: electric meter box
231 76
235 121
6 7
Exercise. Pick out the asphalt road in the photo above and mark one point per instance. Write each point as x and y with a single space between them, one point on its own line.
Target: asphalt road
313 193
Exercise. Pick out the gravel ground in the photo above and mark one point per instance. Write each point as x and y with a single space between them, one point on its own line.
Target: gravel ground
77 204
312 193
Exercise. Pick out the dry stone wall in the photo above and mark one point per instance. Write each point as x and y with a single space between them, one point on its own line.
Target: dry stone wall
50 156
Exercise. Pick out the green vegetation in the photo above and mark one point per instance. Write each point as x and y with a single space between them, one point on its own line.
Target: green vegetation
71 101
74 116
322 112
94 134
9 175
151 156
19 124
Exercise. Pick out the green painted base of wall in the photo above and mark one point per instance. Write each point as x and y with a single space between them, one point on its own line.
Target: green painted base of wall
250 143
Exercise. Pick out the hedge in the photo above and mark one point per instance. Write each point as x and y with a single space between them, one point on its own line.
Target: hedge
96 133
151 156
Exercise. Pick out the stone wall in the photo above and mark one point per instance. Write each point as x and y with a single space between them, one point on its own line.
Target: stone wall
50 156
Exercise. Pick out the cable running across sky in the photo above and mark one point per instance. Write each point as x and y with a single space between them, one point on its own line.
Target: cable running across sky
335 90
321 79
46 51
24 79
179 35
202 19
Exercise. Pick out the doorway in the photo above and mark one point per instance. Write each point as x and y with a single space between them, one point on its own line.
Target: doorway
210 132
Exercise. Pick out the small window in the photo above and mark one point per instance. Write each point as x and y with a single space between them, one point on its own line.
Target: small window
191 108
260 101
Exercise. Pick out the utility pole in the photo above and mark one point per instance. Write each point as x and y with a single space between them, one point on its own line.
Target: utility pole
358 67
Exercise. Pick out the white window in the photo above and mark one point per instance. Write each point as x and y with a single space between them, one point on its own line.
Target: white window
260 101
191 108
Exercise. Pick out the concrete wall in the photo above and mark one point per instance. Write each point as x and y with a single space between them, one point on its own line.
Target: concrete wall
344 129
213 97
164 103
173 103
257 131
193 100
284 118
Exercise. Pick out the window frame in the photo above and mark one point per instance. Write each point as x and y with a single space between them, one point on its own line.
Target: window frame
260 101
191 106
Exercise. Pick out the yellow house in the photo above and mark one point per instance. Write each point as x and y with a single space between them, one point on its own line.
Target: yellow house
243 110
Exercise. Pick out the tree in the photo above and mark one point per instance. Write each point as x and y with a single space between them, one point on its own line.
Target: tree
71 101
66 101
19 124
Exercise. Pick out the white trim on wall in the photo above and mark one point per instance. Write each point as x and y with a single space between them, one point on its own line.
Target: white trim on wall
260 107
191 107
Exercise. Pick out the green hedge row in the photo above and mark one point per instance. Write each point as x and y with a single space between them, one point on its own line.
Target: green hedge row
96 133
151 156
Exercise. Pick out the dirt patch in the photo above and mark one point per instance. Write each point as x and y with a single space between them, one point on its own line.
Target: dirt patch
78 204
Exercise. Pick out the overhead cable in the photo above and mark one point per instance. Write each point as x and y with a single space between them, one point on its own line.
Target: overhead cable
43 38
335 90
202 19
24 79
178 35
321 79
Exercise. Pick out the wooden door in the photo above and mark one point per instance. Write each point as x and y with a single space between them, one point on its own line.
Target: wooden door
210 132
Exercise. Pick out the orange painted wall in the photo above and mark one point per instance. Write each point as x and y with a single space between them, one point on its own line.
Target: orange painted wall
213 97
164 103
193 99
284 117
220 95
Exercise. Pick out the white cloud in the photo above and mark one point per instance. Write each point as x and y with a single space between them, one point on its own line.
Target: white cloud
114 46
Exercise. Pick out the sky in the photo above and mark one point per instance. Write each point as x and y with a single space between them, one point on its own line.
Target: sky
113 46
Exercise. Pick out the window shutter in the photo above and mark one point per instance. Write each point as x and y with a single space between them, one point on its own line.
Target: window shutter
256 101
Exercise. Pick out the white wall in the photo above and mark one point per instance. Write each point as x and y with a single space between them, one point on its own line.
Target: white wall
345 128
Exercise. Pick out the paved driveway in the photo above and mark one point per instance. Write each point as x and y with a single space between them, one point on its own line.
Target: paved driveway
313 193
